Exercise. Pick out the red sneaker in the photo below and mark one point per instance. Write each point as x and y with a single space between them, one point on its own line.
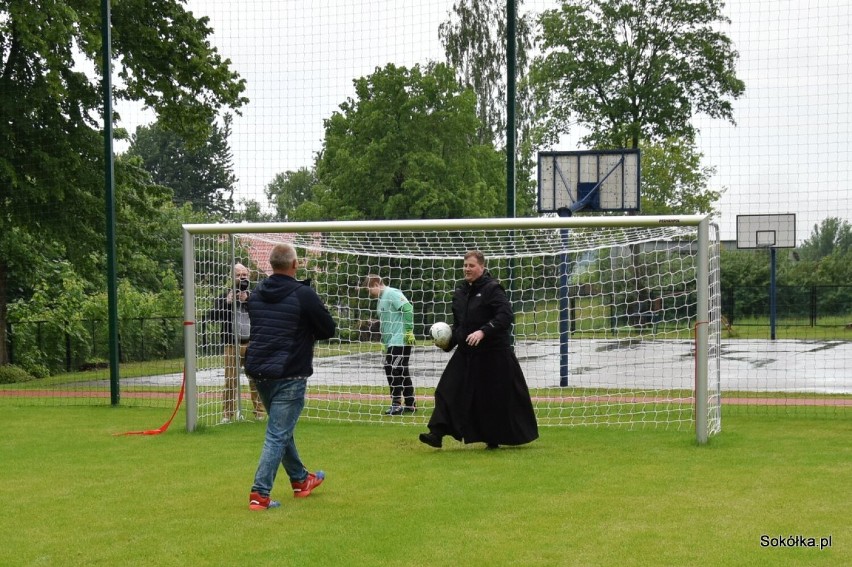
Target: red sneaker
304 488
259 502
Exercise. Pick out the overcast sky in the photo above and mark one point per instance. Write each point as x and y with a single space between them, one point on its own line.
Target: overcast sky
788 152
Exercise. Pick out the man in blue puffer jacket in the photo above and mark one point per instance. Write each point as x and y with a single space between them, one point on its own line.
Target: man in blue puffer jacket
287 317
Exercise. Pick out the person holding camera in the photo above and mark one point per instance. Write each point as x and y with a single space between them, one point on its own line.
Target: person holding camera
231 311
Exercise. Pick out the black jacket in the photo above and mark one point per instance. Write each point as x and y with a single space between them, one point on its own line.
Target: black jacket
223 313
482 305
482 395
287 317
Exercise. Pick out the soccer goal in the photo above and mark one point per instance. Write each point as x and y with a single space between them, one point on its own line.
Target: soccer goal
617 319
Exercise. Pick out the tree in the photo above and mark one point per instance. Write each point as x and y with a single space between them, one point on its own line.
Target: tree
832 236
634 71
51 142
674 181
201 174
825 257
406 147
149 242
250 210
475 43
289 190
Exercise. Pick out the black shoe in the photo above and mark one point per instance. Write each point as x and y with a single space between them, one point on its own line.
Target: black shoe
431 439
492 446
409 409
394 410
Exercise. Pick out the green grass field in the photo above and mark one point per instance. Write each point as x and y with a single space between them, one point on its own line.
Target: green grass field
73 493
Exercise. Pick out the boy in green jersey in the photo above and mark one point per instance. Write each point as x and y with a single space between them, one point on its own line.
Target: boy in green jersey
396 325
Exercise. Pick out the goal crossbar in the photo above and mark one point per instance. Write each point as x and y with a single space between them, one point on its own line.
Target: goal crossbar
446 224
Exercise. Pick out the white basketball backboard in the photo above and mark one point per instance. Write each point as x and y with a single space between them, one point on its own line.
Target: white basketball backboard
604 180
766 231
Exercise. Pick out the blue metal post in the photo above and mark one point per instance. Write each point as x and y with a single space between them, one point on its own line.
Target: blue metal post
772 293
564 310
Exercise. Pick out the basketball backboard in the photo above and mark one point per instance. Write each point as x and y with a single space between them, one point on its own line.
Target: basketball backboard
766 231
594 180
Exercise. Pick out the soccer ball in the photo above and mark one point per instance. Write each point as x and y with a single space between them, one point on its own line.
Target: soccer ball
441 334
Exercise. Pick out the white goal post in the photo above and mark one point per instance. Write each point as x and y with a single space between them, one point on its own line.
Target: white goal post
617 318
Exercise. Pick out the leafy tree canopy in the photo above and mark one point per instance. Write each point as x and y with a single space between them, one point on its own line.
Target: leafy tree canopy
288 190
201 174
634 70
475 44
474 41
51 141
824 258
674 181
832 236
250 210
406 147
149 242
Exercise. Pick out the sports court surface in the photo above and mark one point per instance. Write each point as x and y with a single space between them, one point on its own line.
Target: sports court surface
804 366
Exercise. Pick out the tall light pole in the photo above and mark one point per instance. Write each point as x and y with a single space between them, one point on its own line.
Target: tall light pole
109 199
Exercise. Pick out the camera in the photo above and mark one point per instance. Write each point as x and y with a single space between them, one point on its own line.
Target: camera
244 284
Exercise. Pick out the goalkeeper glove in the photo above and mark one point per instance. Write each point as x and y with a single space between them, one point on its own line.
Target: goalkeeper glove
409 338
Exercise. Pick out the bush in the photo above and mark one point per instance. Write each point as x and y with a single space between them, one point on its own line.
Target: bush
38 371
11 374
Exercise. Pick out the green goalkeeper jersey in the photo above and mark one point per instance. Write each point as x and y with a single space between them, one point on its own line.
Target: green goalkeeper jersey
396 317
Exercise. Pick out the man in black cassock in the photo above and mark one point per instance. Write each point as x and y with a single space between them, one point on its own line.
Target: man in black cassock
482 396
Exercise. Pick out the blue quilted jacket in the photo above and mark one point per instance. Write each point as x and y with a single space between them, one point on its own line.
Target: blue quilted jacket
287 317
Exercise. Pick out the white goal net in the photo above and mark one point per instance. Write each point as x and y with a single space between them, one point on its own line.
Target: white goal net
616 318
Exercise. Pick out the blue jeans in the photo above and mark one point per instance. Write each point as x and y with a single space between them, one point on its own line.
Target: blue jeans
284 400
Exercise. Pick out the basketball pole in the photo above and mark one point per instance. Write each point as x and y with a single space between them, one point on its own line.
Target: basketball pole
772 293
564 304
773 231
585 198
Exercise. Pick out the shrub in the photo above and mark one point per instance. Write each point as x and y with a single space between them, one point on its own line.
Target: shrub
11 374
38 371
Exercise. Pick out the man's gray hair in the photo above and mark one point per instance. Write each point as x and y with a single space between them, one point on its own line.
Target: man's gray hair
282 256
